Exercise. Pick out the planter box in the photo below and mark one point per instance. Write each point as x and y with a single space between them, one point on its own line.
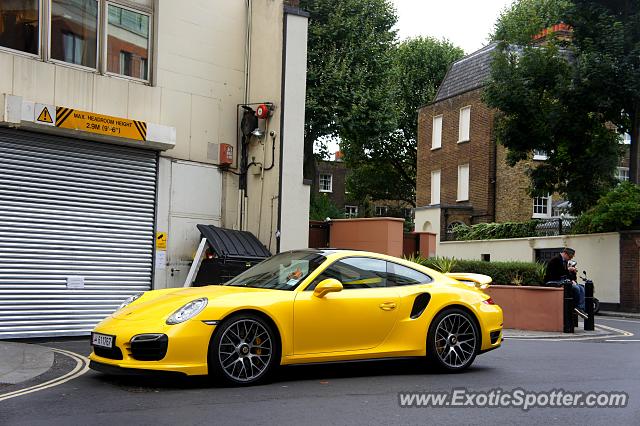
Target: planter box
528 307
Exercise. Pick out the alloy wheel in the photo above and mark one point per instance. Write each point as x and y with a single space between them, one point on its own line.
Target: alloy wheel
245 350
455 340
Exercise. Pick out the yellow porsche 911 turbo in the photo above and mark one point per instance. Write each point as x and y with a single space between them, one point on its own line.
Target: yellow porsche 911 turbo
297 307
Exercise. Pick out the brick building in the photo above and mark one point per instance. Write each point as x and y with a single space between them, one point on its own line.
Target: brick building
331 179
462 176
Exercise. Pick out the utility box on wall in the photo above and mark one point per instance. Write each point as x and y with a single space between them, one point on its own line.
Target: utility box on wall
226 154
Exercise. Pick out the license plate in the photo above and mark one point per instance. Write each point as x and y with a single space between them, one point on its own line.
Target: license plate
102 340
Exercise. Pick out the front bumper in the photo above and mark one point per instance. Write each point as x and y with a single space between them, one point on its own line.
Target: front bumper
185 349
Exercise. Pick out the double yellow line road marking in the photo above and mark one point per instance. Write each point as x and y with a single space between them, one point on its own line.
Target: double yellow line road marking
81 367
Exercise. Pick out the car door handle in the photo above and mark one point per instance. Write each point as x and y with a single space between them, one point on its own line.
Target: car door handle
388 306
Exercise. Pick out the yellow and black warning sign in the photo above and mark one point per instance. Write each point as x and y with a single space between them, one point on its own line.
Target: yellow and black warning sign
161 240
68 118
45 116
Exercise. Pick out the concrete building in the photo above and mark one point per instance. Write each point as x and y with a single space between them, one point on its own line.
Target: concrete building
120 130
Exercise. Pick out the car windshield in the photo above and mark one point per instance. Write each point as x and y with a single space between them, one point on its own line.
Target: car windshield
284 271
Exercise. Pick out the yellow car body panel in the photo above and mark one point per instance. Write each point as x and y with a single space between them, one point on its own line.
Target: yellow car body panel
346 325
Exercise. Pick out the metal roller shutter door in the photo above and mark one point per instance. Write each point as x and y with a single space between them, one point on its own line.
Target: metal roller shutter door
71 208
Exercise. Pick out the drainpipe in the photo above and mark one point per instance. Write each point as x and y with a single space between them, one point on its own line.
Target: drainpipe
242 198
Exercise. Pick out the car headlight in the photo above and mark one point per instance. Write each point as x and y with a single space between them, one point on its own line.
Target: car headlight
188 311
128 300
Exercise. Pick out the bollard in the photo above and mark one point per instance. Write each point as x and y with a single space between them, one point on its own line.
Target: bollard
589 323
568 307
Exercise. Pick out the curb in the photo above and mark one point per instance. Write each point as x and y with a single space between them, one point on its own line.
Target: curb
631 315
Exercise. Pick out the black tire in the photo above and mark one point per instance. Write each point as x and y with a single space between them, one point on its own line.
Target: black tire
243 350
453 340
596 305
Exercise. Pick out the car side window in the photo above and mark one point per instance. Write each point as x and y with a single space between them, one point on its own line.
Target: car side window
355 272
398 275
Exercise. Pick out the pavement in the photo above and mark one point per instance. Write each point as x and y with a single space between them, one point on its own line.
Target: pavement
23 361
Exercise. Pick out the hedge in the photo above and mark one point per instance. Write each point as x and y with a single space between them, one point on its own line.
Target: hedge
509 273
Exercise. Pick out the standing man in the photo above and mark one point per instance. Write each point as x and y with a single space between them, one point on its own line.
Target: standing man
557 270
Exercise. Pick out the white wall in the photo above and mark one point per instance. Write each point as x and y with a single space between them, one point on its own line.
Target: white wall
295 195
598 254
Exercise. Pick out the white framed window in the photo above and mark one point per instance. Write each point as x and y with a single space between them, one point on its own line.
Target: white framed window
73 32
542 207
350 211
463 182
104 36
381 210
435 187
128 38
326 182
20 28
540 155
625 138
622 174
464 124
436 136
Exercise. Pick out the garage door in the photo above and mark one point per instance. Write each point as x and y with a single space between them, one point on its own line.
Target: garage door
76 231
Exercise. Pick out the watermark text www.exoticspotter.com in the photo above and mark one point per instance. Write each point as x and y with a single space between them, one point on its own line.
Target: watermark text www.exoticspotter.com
515 398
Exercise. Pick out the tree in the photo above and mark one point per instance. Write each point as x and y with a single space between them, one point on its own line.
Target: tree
321 207
607 40
540 107
618 209
524 19
384 164
348 65
556 98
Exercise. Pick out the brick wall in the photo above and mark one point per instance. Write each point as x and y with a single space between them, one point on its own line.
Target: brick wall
338 171
478 153
629 271
513 203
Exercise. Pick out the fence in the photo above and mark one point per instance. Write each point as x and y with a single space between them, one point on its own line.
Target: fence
544 228
318 234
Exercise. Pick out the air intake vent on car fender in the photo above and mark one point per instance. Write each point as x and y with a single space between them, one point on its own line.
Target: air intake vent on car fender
420 304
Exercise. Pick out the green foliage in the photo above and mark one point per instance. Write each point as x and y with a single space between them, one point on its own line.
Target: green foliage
563 101
541 271
384 162
518 23
617 210
415 258
348 70
511 272
321 207
538 94
441 264
492 231
607 42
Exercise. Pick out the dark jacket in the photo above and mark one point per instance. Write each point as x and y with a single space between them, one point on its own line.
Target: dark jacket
556 269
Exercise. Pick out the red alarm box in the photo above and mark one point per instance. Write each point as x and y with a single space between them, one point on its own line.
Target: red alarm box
226 154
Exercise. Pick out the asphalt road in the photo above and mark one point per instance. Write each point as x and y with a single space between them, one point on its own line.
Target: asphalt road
354 393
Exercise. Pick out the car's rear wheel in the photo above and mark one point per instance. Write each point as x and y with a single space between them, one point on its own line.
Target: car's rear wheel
243 350
453 340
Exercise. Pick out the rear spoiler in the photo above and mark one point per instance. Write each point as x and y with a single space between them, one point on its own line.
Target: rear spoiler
476 280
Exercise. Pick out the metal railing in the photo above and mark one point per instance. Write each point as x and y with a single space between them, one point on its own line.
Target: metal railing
544 228
551 227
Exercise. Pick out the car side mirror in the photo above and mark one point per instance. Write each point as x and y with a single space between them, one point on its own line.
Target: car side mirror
330 285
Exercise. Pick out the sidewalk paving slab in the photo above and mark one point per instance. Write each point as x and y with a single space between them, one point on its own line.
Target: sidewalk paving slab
20 362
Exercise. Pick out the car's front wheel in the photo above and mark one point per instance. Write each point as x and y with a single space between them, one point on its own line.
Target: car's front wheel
243 350
453 340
